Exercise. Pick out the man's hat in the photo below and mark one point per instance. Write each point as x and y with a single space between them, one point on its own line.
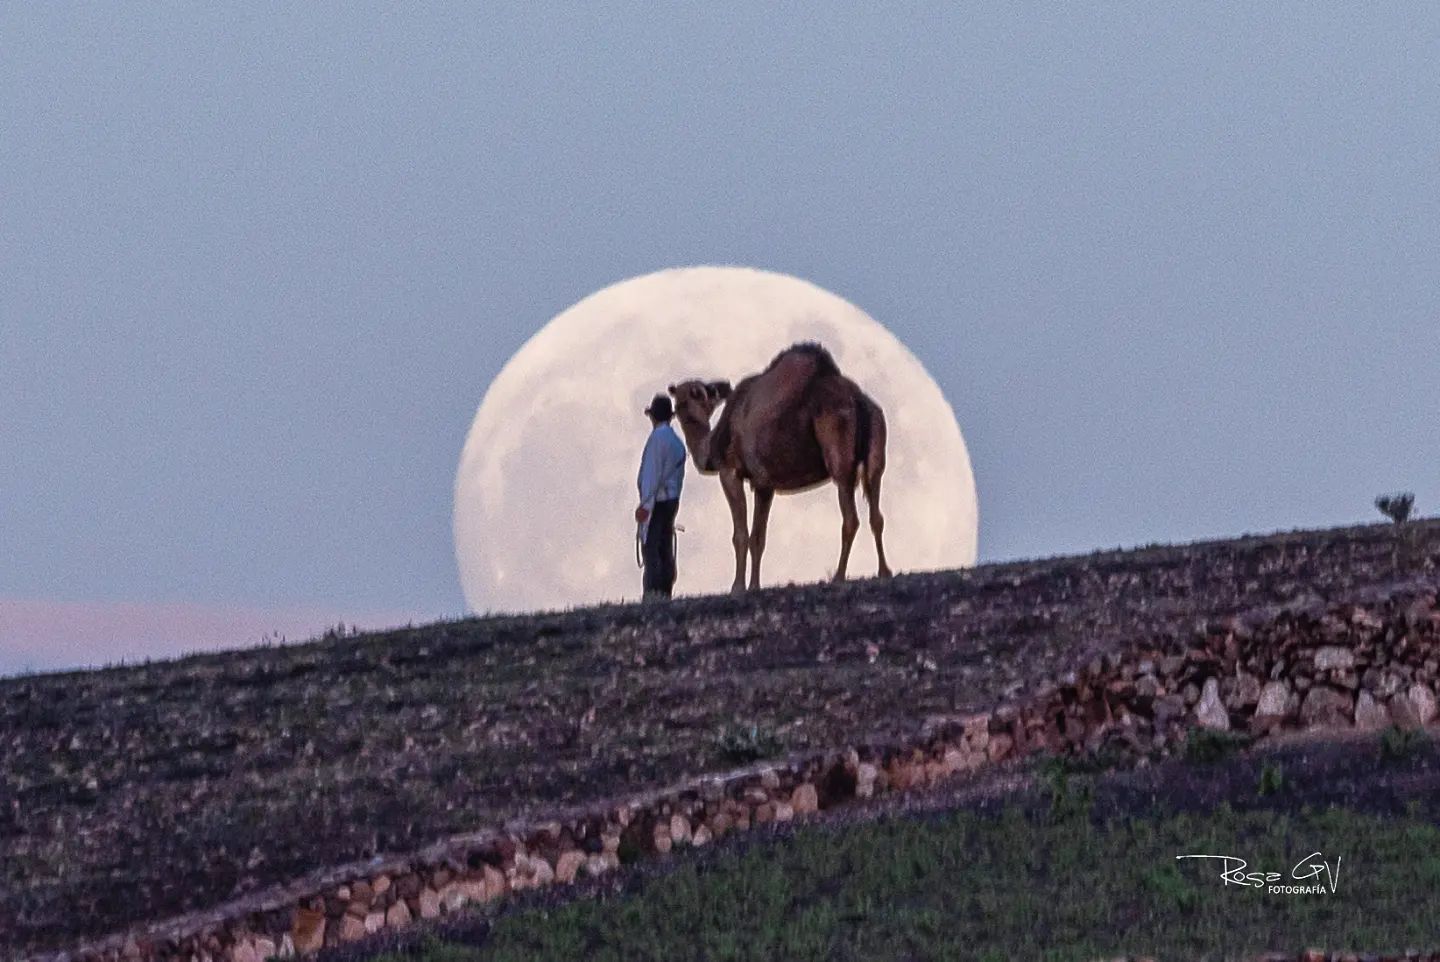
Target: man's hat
660 408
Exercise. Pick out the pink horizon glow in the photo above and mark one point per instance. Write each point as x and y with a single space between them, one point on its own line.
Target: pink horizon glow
38 634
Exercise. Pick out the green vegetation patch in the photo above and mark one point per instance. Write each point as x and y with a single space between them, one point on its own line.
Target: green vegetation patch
968 885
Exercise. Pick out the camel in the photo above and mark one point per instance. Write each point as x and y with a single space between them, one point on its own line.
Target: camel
790 428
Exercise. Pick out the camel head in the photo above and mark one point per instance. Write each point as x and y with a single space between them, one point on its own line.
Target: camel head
697 400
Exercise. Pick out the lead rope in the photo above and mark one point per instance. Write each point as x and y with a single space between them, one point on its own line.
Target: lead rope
674 545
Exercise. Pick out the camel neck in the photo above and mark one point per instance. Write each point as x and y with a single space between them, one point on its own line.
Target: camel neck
697 438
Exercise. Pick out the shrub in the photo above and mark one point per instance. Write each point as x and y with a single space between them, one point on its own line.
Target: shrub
741 743
1272 779
1398 744
1205 745
1396 507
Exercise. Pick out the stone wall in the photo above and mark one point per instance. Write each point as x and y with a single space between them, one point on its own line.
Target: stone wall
1368 663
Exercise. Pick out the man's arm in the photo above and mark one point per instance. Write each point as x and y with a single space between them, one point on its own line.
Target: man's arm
650 473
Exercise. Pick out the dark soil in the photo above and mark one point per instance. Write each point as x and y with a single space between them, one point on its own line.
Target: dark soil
138 793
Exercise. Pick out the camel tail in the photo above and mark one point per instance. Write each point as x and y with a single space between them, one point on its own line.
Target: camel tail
869 444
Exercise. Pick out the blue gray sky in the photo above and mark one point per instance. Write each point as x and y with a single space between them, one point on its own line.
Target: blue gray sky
1173 266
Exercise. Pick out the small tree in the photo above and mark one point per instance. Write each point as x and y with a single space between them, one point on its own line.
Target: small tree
1396 507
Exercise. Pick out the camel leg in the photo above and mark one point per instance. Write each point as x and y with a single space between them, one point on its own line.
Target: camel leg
734 489
850 523
763 498
871 471
836 435
877 521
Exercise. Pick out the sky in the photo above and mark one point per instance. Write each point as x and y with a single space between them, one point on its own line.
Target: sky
1173 267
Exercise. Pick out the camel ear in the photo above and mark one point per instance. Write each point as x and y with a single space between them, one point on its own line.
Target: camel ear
718 389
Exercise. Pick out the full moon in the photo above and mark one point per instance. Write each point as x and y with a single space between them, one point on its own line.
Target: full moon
545 492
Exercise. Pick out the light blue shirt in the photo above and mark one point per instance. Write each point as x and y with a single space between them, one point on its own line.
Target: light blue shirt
662 467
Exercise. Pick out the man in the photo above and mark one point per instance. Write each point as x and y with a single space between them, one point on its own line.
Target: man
662 471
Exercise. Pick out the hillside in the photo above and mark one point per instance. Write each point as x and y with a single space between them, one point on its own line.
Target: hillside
140 793
1056 863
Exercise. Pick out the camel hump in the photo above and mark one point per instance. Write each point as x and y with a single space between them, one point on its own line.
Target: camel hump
812 351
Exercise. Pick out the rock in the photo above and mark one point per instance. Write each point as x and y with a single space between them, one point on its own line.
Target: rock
1385 683
721 824
679 828
1274 699
1167 708
764 813
865 775
977 738
784 812
1247 691
374 922
568 866
454 896
352 929
1366 619
805 799
494 882
307 930
770 778
544 874
662 839
362 892
265 948
1334 658
408 886
999 747
1424 701
429 904
1402 712
1325 707
1370 714
243 951
1210 712
702 836
286 949
902 775
380 884
398 915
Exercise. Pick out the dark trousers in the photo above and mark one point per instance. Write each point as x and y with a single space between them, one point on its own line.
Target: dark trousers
659 549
